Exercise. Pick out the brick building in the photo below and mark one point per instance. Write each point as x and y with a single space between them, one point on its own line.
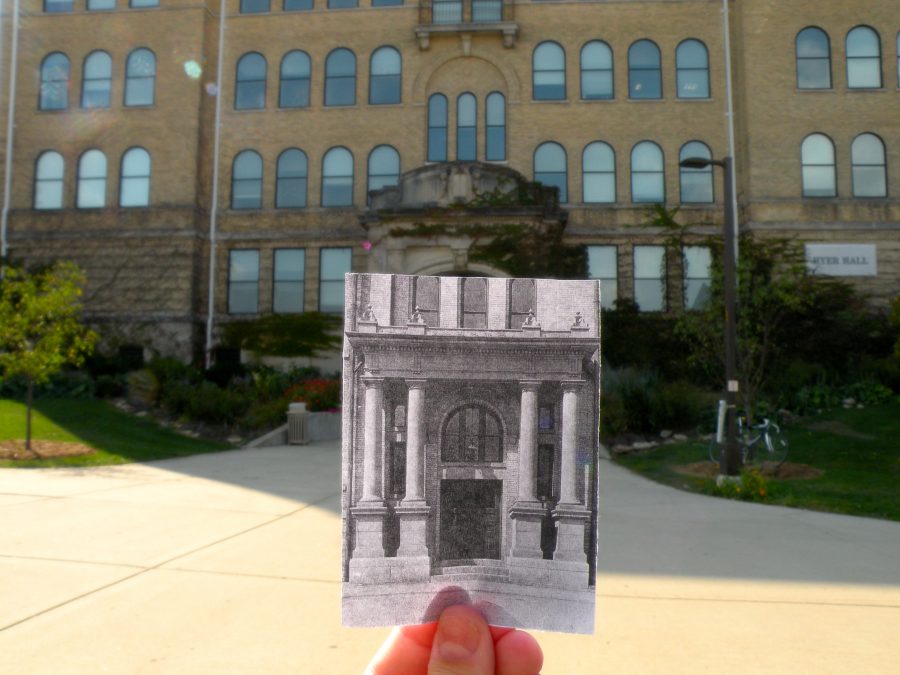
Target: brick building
194 189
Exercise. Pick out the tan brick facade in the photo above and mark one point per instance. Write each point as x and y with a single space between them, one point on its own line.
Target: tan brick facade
128 252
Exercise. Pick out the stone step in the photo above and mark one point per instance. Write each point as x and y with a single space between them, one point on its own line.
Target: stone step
474 569
470 576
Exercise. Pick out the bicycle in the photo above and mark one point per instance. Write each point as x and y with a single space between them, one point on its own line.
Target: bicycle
768 447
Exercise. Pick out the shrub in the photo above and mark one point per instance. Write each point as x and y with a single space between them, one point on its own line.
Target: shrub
318 394
209 403
753 487
109 385
265 414
626 399
172 370
679 405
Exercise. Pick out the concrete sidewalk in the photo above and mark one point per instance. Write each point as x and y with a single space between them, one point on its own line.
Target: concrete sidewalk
229 563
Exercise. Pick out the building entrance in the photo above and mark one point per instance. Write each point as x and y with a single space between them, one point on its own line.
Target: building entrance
470 519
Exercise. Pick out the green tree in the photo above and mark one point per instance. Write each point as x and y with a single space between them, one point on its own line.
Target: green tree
40 326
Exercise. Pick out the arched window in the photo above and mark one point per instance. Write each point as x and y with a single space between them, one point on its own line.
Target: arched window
474 302
54 82
813 59
647 173
385 69
863 59
48 181
427 299
290 179
696 184
134 178
472 434
140 78
596 71
598 174
550 168
246 180
692 69
437 128
91 180
250 82
521 301
295 75
337 178
340 77
549 72
869 166
495 127
384 167
96 80
466 125
644 70
818 169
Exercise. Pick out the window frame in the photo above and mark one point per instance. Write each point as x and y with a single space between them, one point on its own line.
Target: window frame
634 69
47 82
85 79
883 166
470 144
612 281
129 78
564 192
301 281
248 152
684 153
687 277
661 172
232 282
38 180
878 57
238 82
488 156
803 165
370 174
516 319
679 70
585 172
81 179
280 179
483 413
544 45
611 70
326 176
248 6
330 78
429 155
662 278
463 312
123 176
284 82
798 59
325 280
375 79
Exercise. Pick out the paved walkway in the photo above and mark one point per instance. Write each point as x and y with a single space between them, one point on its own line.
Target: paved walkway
228 563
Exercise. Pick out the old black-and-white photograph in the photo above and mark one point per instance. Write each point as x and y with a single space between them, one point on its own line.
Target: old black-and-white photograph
470 450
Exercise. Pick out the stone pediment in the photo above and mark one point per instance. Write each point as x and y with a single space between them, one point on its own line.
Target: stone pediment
462 185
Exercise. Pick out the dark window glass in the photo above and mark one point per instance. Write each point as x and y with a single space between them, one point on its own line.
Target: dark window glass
487 11
91 180
598 174
297 5
96 82
474 302
54 82
136 4
427 299
48 181
340 78
57 6
521 301
813 59
644 70
692 69
818 168
495 127
446 11
342 4
697 263
437 128
549 72
290 181
246 181
386 3
250 82
596 71
243 281
337 178
134 179
649 278
550 168
140 78
334 263
869 166
295 75
254 6
696 184
384 76
863 58
98 5
466 126
288 275
384 168
647 173
472 434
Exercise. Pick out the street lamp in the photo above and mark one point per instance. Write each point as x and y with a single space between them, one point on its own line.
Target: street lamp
729 461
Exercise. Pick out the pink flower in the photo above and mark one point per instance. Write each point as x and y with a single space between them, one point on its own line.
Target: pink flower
367 245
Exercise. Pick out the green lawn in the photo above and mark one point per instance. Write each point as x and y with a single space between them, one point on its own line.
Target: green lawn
118 438
861 475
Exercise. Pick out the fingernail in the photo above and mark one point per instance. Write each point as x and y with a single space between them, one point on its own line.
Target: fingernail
458 637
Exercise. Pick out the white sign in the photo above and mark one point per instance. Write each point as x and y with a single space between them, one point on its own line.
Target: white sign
842 260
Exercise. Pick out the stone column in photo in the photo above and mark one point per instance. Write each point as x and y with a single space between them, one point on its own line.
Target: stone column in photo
413 562
570 567
367 560
527 512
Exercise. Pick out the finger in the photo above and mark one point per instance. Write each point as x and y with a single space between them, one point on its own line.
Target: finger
462 644
518 653
405 652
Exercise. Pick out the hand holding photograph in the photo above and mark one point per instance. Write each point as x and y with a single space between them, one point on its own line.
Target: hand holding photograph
470 450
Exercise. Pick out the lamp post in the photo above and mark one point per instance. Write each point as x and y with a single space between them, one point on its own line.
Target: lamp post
729 461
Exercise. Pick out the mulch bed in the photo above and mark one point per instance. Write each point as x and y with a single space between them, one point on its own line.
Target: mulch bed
788 470
15 449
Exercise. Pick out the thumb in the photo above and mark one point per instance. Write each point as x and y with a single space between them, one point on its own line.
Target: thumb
462 644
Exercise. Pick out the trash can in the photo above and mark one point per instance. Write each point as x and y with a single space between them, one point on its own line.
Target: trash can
298 424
